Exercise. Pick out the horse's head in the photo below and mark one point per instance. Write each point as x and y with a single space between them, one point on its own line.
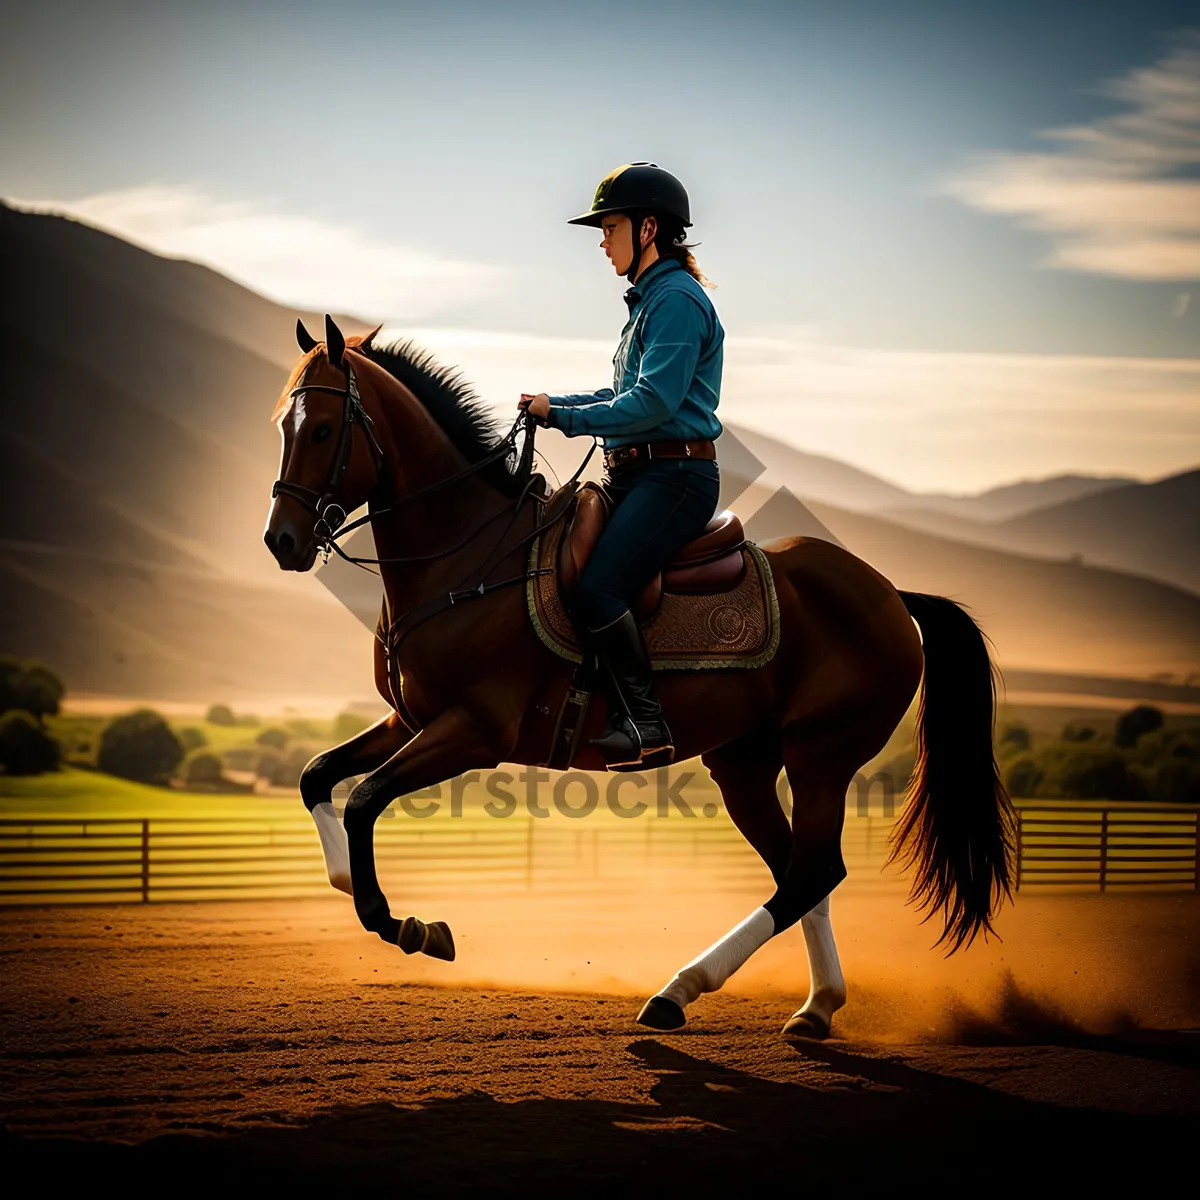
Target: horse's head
331 458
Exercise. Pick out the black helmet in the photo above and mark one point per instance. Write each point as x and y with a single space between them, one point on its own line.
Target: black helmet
637 187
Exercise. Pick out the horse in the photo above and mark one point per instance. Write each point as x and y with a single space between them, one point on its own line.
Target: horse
453 508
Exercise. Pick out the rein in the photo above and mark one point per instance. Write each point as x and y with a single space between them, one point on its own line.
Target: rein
331 515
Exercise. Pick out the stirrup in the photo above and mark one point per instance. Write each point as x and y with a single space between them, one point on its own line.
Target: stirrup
633 754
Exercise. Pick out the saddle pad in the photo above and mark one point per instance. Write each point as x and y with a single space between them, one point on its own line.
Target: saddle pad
739 628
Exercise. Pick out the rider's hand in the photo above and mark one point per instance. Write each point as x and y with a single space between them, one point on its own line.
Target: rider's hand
538 404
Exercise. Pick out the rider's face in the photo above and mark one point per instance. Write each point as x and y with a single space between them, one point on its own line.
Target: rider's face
618 241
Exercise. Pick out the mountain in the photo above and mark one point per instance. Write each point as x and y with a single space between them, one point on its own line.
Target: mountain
1053 616
820 477
1150 529
137 456
1144 528
1014 499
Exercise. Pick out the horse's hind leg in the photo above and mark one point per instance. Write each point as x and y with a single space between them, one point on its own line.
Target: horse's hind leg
826 986
819 777
361 754
745 770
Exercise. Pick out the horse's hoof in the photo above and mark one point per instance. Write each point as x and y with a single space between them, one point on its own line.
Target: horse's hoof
807 1025
439 942
434 939
660 1013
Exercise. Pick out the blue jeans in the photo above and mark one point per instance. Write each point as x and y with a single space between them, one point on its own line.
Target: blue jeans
659 507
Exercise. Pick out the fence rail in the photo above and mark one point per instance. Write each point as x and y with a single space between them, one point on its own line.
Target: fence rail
1106 847
110 860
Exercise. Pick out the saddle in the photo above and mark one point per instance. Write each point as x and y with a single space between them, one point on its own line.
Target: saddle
708 565
713 607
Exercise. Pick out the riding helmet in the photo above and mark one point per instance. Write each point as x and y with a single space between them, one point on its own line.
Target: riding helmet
637 187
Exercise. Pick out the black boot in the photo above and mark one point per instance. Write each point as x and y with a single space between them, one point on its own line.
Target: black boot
637 735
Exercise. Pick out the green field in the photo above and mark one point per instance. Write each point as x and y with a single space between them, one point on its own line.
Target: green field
74 791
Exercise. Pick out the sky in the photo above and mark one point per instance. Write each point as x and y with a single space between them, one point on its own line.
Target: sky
955 244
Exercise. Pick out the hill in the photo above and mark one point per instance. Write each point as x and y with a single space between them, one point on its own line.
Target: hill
1150 529
137 455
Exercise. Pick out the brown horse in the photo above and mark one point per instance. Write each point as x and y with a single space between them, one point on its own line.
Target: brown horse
469 682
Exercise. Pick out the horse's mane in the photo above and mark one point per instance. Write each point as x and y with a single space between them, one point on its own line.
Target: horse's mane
452 403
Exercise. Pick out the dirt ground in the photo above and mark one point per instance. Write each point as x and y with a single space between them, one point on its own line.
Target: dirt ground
242 1045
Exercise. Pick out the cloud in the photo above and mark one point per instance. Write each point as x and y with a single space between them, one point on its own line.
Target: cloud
1120 196
296 260
924 419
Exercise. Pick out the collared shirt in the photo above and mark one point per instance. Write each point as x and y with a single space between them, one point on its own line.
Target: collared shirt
666 371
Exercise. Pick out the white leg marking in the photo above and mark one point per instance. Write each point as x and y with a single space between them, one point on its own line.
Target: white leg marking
709 971
335 846
826 988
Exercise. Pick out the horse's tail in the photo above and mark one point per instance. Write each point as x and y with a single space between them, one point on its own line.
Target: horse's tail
956 829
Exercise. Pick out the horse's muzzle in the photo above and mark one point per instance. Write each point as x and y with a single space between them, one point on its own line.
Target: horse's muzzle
291 552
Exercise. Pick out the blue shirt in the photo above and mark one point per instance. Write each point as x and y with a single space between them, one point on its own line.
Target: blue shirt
666 371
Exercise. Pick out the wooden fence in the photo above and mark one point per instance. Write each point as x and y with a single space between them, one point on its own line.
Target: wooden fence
62 860
58 860
1098 846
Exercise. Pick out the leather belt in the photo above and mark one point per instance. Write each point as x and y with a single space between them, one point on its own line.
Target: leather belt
620 457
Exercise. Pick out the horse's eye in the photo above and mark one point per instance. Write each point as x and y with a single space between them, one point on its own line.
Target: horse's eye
322 433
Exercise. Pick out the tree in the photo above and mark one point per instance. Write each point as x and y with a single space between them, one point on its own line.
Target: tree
1024 776
27 685
10 682
275 738
25 747
1078 733
141 746
192 738
1099 775
348 724
203 770
268 765
1136 722
41 691
288 772
221 714
1015 737
1176 781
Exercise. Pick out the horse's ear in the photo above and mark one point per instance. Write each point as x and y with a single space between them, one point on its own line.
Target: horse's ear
306 340
365 343
335 343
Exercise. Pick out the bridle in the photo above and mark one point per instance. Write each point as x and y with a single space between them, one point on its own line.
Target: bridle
326 505
329 508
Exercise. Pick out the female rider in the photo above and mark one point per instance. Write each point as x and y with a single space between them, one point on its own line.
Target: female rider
658 424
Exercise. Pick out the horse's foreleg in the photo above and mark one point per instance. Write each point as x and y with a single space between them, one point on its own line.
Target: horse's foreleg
446 747
364 752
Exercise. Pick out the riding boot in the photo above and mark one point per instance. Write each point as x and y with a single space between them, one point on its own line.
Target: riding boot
637 735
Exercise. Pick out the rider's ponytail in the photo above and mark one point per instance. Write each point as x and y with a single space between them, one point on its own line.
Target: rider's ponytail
670 242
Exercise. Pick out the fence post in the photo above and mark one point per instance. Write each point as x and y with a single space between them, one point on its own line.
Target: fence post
146 862
1103 849
1020 846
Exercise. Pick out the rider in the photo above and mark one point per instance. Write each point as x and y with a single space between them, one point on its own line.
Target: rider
658 424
